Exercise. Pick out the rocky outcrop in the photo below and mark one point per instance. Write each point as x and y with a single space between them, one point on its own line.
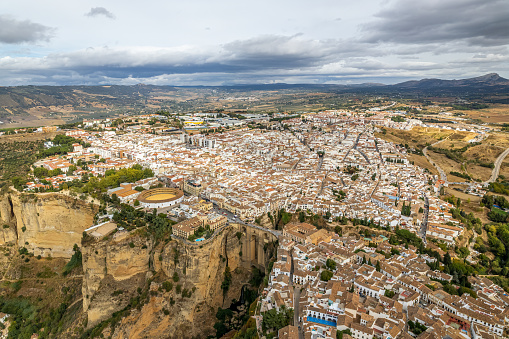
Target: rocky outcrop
128 272
47 224
113 271
8 232
166 313
200 270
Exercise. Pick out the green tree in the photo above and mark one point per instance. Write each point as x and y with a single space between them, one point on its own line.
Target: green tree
227 280
76 261
447 259
302 216
71 170
326 275
339 334
274 320
40 172
389 293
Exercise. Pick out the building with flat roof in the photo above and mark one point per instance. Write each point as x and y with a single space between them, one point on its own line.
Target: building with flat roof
193 187
187 228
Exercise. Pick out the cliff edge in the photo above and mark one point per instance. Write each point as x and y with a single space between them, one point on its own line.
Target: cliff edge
47 224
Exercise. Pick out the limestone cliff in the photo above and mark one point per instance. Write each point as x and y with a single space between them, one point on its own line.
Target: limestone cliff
184 311
201 270
113 271
46 224
131 273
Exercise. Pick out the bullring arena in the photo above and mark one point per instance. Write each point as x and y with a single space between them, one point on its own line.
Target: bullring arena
160 197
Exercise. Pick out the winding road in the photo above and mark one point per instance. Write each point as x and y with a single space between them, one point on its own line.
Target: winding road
494 173
496 169
443 176
424 224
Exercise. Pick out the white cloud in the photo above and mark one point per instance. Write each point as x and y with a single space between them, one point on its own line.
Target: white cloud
14 31
294 41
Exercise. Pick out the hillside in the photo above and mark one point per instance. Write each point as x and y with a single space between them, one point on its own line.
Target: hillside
25 106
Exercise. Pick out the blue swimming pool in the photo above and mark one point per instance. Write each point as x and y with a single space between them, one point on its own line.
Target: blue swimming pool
322 322
200 239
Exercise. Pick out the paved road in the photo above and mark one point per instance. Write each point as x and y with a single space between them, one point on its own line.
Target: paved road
295 165
320 162
232 218
358 150
496 169
321 186
424 224
443 176
354 145
296 305
379 153
377 183
363 154
296 299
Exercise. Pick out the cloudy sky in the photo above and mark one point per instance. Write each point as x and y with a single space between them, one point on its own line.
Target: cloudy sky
204 42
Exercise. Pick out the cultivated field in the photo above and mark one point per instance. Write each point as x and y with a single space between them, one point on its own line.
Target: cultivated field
498 113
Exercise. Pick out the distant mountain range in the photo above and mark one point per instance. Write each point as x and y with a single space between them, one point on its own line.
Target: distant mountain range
487 86
19 100
485 82
488 80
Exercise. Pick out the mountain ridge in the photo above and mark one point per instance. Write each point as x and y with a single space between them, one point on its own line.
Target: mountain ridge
30 105
491 79
488 79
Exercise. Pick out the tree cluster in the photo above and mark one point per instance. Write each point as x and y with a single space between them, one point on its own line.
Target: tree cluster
274 320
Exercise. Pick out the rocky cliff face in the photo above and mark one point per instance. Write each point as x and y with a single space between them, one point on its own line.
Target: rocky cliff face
50 223
129 271
185 311
113 271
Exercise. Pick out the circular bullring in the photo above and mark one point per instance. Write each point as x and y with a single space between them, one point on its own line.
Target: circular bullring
160 197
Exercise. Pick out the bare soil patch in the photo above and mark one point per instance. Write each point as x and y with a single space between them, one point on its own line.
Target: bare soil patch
447 165
421 161
28 137
476 171
496 114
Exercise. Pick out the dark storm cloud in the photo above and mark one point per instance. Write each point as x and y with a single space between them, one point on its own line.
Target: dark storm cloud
98 11
476 22
14 31
282 52
268 52
267 58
